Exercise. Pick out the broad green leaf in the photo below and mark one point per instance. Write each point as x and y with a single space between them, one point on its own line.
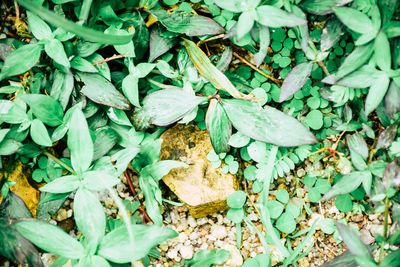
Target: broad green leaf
39 133
124 49
376 93
13 206
354 19
295 80
191 25
63 184
209 71
51 238
102 91
159 45
98 181
45 108
9 146
382 51
15 247
286 223
386 138
118 116
218 126
86 33
82 64
392 102
357 143
362 78
89 217
237 199
106 138
331 34
275 208
11 112
353 242
55 50
238 140
320 7
165 107
21 60
79 142
116 246
347 184
233 5
207 258
38 27
275 17
265 40
267 125
3 133
131 90
142 70
357 58
392 29
244 24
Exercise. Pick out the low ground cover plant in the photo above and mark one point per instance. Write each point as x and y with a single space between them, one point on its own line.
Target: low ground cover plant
87 88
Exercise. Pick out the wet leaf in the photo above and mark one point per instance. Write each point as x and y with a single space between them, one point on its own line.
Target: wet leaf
275 17
191 25
100 90
218 126
296 78
331 34
386 138
159 45
267 125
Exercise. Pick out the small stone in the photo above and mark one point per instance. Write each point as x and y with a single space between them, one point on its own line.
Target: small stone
164 248
172 254
236 258
186 252
303 262
357 218
376 229
219 232
62 215
366 237
301 172
193 236
192 222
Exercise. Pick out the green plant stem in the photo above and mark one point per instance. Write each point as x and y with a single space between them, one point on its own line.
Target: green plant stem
385 222
65 166
320 63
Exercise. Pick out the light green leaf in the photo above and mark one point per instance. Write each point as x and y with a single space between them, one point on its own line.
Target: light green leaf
207 258
237 199
267 125
11 112
354 19
159 45
275 17
63 184
244 24
45 108
39 133
38 27
55 50
51 238
233 5
265 40
361 78
331 33
82 64
286 223
218 126
79 142
116 246
357 58
376 93
295 80
98 180
382 51
21 60
165 107
159 169
392 102
89 217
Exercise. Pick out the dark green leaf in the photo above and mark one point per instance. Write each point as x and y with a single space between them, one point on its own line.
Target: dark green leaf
219 127
51 239
386 138
45 108
21 60
14 207
296 78
275 17
392 29
267 125
392 100
115 245
102 91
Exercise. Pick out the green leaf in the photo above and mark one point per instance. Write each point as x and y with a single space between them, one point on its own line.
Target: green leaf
320 7
165 107
361 78
100 90
331 34
357 143
237 199
55 50
386 138
82 64
347 184
15 247
376 93
9 146
392 103
353 242
63 184
116 246
99 180
106 138
38 27
191 25
13 206
382 51
159 169
45 108
267 125
218 126
39 133
354 19
51 238
86 33
233 5
392 29
209 71
21 60
159 45
89 217
79 142
295 80
238 140
275 208
118 116
286 223
264 36
11 112
207 258
275 17
244 24
282 195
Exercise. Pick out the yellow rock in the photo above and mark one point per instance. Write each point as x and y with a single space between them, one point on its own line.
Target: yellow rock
202 187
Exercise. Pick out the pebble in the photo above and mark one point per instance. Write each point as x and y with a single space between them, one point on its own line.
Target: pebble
218 231
186 252
172 253
376 229
236 258
62 215
366 237
192 222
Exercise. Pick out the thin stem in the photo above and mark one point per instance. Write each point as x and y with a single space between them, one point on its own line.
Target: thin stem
62 164
109 59
211 39
17 15
278 82
385 222
320 63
